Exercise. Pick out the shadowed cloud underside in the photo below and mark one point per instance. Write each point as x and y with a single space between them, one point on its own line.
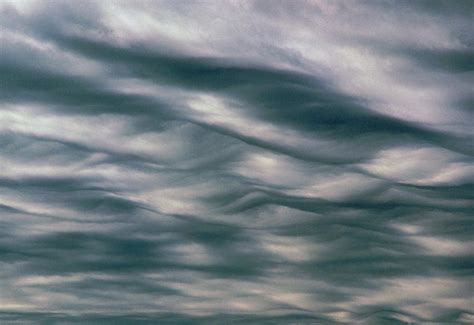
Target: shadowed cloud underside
236 162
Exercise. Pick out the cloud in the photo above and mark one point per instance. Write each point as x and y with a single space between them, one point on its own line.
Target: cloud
235 162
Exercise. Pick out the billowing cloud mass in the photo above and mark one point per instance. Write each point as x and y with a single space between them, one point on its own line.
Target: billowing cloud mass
236 162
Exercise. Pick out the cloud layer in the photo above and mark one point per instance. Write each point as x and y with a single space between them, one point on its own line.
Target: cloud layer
236 162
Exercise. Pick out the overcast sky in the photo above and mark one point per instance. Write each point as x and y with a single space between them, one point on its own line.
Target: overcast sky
236 162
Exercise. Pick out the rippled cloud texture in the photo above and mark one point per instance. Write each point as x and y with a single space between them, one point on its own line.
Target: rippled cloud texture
221 162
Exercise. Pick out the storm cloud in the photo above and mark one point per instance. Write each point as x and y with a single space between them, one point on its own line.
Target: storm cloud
236 162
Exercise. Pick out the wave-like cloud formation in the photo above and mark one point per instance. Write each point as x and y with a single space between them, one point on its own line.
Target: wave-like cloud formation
224 162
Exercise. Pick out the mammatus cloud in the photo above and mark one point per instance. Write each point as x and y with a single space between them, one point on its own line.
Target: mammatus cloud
236 162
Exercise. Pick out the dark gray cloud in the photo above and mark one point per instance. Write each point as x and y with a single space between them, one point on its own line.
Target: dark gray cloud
240 162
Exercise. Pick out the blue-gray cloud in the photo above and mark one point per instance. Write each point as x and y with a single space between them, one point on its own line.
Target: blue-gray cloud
236 162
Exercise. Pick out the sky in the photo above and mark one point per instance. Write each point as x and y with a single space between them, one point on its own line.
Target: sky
236 162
